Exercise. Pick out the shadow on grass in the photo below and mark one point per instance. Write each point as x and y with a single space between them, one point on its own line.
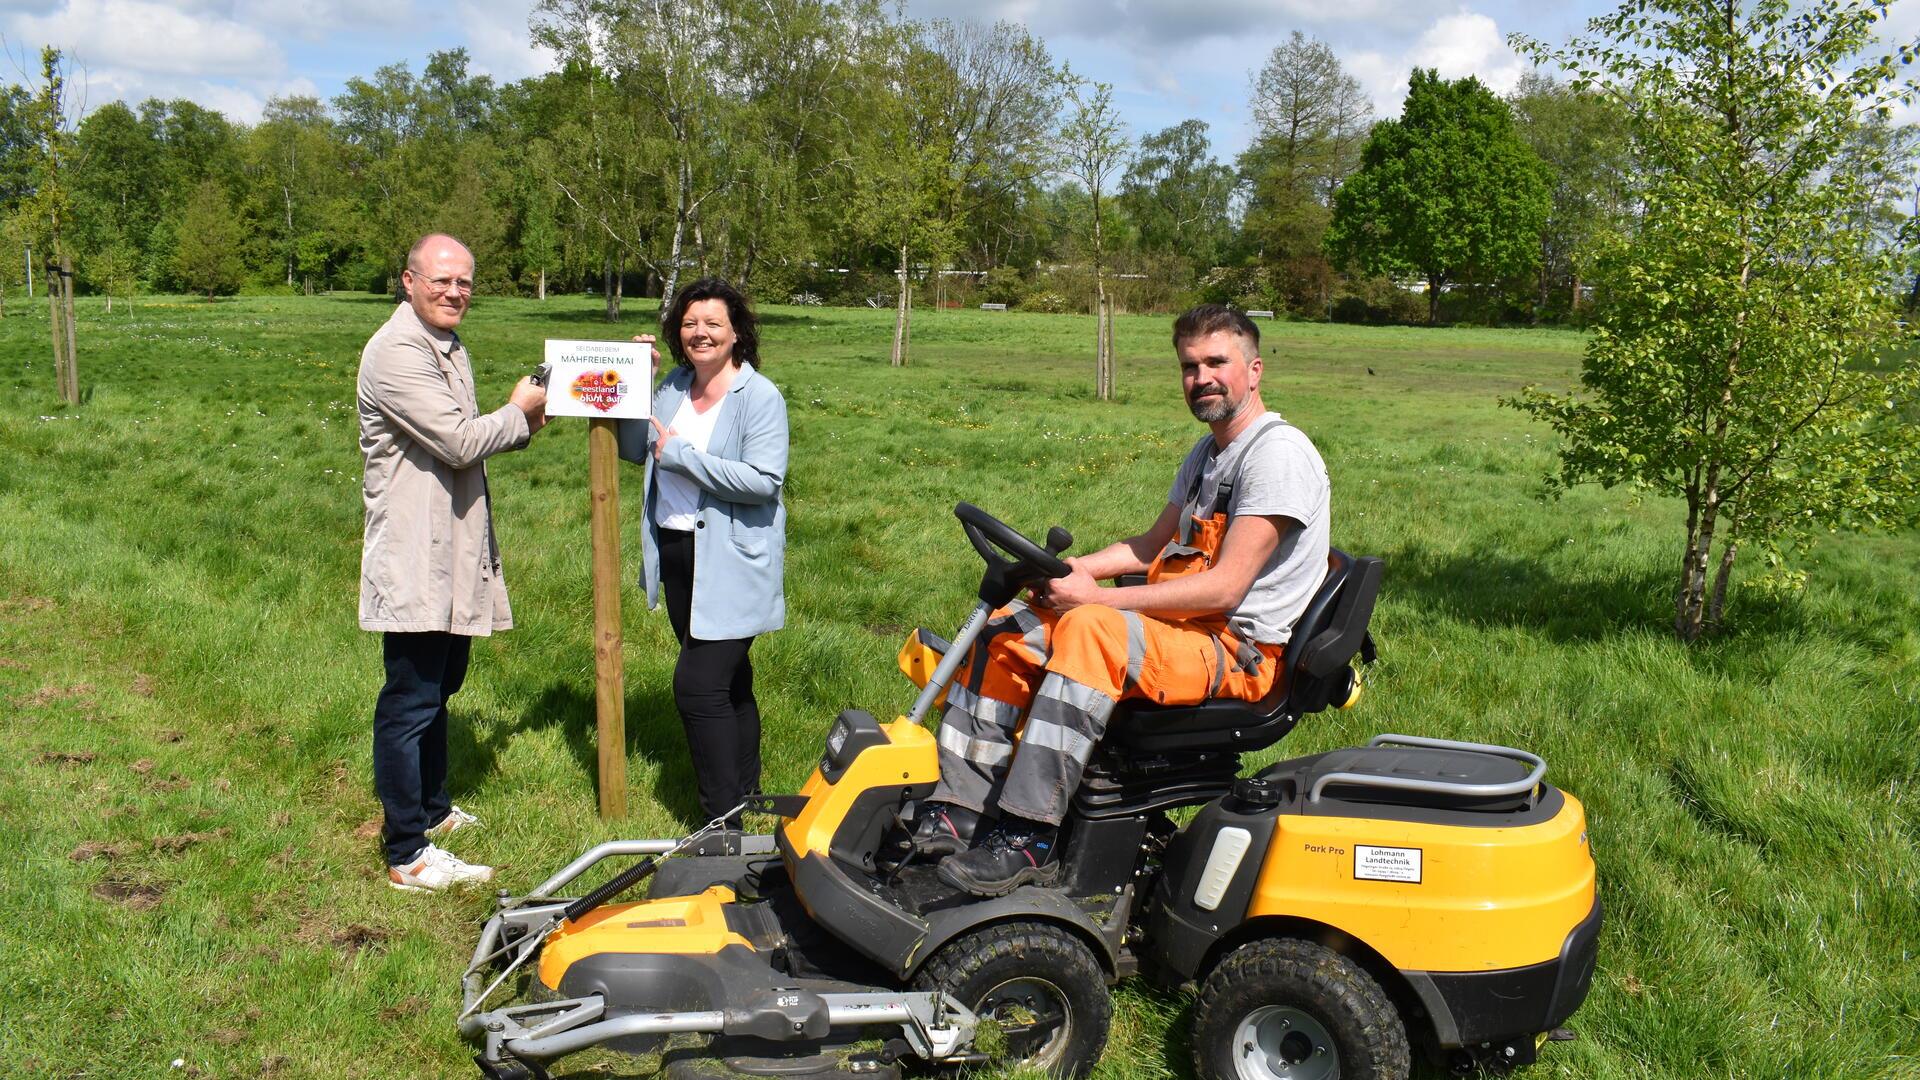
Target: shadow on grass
1501 589
652 726
1507 590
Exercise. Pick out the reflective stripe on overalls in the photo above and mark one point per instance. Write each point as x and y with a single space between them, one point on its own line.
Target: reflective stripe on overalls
1063 673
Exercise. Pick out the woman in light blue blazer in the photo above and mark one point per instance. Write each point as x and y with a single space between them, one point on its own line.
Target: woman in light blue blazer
714 532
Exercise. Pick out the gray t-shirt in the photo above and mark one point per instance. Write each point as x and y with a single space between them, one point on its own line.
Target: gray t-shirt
1282 475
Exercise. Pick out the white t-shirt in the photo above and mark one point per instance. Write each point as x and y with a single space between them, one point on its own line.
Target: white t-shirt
1282 476
679 503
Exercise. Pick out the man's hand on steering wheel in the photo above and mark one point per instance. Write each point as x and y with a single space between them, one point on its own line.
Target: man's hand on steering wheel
1067 593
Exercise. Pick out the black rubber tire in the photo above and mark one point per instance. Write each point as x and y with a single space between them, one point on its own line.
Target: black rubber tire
1029 959
1335 993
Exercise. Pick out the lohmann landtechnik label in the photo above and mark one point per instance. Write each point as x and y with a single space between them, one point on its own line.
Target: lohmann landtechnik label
1386 863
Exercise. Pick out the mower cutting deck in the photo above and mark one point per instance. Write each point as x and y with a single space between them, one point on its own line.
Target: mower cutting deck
1336 911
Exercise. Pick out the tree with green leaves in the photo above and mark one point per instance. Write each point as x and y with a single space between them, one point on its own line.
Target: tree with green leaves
1580 136
50 210
118 180
1092 141
206 257
114 269
1178 196
18 152
1745 359
1311 119
996 115
294 162
1449 191
899 158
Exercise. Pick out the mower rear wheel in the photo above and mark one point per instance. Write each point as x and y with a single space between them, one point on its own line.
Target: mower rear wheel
1037 985
1284 1009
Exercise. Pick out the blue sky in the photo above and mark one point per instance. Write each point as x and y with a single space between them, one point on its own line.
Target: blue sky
1168 60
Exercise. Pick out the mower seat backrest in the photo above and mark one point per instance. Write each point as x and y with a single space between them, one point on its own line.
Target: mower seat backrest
1328 635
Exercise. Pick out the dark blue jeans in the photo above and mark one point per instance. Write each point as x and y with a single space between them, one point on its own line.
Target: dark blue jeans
410 735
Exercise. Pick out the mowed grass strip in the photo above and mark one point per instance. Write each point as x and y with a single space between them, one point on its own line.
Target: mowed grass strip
191 864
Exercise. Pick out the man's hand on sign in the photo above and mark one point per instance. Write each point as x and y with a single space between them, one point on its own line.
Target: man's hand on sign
530 398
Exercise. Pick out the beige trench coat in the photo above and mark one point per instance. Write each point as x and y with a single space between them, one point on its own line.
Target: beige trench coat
429 559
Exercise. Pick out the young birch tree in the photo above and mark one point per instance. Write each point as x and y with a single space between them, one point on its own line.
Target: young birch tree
1093 142
899 158
1742 361
52 211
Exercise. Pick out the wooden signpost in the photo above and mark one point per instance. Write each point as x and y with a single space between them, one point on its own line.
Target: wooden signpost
609 660
606 382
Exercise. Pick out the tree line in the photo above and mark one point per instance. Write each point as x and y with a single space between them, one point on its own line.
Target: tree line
1719 189
826 151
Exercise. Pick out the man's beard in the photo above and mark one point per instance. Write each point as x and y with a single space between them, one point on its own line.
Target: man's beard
1213 408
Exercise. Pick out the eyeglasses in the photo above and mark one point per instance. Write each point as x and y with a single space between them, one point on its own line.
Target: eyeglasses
438 285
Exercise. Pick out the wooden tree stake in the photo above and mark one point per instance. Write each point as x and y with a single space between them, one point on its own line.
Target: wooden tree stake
610 682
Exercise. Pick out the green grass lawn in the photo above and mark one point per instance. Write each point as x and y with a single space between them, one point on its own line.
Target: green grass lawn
191 862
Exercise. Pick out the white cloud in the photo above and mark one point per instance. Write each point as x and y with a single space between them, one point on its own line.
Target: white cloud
1160 24
151 38
498 41
1464 43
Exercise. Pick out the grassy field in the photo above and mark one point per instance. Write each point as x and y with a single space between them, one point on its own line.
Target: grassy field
191 862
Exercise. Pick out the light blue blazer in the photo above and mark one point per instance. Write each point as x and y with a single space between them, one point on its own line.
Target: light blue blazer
740 539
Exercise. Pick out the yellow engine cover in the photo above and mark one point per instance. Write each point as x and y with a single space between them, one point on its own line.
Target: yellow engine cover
681 925
908 757
1434 897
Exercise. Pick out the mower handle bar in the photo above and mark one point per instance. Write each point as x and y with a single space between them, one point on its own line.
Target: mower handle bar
749 845
1407 783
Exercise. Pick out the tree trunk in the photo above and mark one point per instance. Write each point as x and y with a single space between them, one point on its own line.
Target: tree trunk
1546 281
1433 300
1573 307
54 316
1113 362
903 313
1100 359
542 293
1690 617
1717 605
73 350
288 195
609 287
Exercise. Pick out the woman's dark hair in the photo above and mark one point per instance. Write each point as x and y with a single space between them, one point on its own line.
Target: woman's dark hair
746 333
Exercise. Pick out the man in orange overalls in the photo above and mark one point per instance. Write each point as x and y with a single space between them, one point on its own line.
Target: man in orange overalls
1231 562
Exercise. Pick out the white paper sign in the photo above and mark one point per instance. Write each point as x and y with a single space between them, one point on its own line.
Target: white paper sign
602 379
1386 863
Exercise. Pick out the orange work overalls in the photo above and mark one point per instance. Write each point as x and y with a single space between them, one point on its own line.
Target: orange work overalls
1064 672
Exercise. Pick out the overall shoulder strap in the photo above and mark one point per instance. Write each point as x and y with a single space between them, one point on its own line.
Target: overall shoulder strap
1223 492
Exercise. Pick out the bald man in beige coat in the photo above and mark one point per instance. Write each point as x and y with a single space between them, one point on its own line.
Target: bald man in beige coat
430 578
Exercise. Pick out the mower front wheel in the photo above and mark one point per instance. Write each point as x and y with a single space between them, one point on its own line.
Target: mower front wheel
1038 990
1284 1009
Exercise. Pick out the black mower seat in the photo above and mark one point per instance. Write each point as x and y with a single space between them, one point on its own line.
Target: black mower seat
1328 635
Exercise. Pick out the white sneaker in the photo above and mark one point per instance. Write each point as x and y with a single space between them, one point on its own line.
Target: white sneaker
455 820
434 869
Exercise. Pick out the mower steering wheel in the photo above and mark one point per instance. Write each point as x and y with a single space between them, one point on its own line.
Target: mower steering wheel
1029 563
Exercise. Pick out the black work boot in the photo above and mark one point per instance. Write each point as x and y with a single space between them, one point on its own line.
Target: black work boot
938 830
1016 853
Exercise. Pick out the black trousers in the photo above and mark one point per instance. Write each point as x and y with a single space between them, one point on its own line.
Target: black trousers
713 689
410 735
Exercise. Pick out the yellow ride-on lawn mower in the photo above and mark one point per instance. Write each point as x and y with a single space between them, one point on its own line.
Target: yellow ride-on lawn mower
1336 911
